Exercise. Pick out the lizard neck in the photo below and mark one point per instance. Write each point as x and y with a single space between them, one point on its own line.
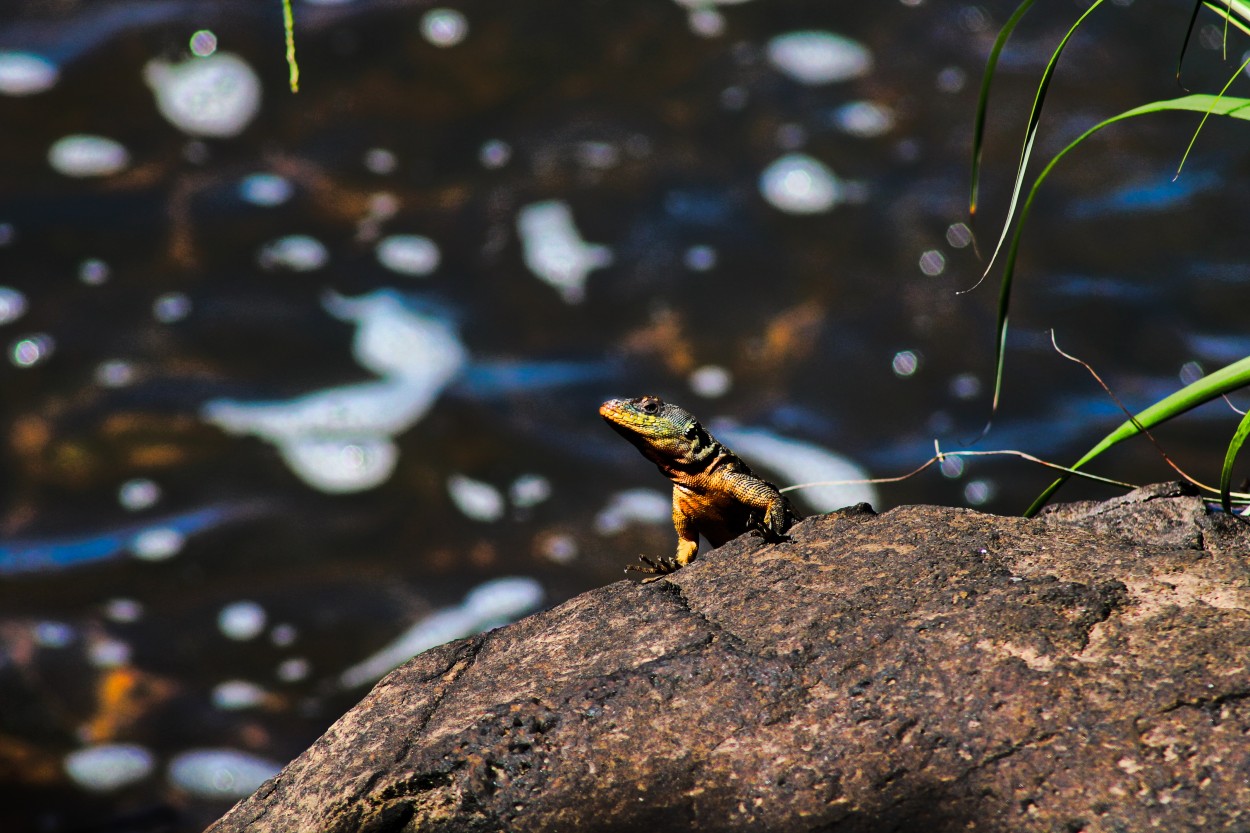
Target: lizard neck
703 459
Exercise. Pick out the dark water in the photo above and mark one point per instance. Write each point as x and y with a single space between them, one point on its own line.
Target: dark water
275 398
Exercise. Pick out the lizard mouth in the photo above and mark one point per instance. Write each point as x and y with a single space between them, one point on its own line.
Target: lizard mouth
621 418
615 414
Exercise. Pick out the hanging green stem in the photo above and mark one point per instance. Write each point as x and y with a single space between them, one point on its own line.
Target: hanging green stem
1226 474
288 23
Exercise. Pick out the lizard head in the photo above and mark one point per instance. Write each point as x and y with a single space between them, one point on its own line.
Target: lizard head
665 433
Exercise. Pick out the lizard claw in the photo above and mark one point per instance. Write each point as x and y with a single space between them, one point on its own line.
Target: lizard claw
770 536
660 567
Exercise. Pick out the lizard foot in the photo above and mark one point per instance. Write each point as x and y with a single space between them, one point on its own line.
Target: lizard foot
770 537
659 566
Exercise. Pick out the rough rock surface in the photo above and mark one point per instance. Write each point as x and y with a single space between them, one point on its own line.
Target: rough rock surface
926 669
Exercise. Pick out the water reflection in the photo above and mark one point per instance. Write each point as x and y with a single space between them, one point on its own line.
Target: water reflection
341 439
22 73
154 540
298 385
82 155
554 250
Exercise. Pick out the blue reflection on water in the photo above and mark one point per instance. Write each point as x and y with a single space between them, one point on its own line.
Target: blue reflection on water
698 206
1118 289
1158 194
31 555
1220 348
482 380
67 37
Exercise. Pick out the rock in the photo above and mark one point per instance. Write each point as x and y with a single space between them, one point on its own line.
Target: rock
926 669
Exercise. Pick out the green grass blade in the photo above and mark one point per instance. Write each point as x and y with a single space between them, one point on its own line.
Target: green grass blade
1189 30
1030 133
1221 106
288 27
1226 475
978 132
1193 139
1211 386
1227 8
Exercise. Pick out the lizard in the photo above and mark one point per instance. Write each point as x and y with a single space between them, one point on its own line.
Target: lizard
714 492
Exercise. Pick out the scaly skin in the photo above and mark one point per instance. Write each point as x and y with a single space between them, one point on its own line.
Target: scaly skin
714 493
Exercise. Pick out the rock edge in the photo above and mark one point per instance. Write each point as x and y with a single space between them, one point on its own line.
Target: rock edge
925 669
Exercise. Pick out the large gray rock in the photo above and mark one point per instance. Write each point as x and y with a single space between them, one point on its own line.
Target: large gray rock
927 669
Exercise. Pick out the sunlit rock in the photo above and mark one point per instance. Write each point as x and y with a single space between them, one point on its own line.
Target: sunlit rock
554 250
215 96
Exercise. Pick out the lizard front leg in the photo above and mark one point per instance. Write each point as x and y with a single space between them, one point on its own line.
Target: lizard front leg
778 517
687 547
771 514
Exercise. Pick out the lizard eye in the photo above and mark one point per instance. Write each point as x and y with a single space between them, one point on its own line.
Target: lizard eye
650 406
